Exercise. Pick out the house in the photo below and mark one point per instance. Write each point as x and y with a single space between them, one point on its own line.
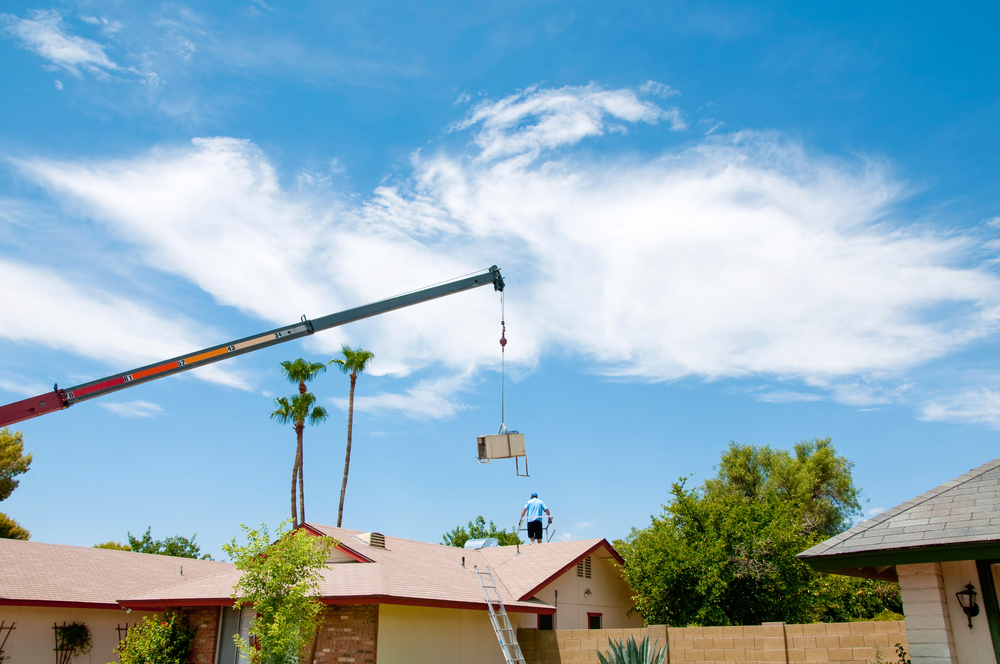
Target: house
389 600
935 545
42 585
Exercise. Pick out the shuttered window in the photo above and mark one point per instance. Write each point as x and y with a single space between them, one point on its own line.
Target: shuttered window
233 622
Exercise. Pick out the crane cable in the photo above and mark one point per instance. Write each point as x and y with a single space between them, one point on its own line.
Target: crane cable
503 344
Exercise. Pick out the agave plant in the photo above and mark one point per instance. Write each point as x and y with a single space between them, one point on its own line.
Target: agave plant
628 652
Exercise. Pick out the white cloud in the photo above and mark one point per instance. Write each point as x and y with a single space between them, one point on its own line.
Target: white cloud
787 396
975 406
58 84
875 511
740 256
44 33
538 119
56 313
132 409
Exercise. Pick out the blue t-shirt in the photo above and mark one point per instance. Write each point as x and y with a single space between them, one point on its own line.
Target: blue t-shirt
536 508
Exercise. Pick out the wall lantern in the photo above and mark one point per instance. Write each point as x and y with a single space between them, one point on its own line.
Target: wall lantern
967 598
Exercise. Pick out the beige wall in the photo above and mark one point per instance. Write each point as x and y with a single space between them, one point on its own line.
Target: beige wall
610 596
975 645
33 640
837 642
423 635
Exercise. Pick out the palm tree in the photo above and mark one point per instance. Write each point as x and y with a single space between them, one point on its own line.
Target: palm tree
353 363
299 371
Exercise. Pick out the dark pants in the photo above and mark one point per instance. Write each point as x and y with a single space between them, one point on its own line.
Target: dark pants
535 529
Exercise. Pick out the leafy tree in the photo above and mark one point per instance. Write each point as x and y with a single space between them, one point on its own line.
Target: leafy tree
725 554
115 546
720 560
299 371
353 363
281 581
10 529
478 530
815 480
157 640
13 461
181 547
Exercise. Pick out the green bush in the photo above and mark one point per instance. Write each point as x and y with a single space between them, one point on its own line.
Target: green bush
158 639
628 652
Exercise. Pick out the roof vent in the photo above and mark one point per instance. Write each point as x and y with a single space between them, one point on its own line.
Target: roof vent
583 568
483 543
374 540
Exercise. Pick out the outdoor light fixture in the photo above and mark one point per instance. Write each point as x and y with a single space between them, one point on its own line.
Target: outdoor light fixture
967 598
587 593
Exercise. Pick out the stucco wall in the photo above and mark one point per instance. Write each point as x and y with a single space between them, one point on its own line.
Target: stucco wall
609 596
975 645
423 635
835 642
33 640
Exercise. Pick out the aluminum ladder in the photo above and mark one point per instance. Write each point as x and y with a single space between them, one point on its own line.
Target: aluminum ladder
501 624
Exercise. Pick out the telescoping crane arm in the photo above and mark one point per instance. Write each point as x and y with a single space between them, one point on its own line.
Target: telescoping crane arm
59 399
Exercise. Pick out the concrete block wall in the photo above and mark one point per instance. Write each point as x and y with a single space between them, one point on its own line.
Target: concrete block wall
348 633
777 642
926 604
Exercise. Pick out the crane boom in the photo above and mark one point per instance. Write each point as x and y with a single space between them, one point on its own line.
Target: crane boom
59 399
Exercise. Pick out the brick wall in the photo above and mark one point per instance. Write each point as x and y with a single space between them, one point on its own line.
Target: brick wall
205 619
347 634
820 642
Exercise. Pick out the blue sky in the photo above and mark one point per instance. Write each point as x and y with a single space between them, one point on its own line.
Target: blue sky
716 222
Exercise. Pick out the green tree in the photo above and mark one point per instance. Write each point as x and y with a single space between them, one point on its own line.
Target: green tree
353 363
181 547
114 546
816 481
478 530
719 560
157 640
10 529
299 371
13 462
281 581
724 554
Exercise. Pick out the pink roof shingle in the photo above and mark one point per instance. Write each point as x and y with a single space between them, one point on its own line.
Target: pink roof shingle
39 573
406 571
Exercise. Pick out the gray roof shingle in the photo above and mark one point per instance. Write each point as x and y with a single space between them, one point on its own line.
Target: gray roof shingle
963 510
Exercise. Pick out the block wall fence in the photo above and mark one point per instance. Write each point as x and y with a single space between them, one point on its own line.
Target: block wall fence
773 642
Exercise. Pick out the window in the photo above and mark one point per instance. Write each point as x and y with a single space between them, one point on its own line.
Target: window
544 621
583 568
594 621
233 622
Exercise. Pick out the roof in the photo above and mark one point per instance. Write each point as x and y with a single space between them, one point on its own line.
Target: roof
39 574
958 520
410 572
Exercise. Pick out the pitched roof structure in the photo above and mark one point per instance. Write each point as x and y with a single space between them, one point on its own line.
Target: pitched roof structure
38 574
410 572
958 520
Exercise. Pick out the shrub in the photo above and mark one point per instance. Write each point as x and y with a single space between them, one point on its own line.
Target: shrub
628 652
158 639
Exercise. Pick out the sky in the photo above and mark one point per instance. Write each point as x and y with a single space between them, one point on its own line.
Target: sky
716 222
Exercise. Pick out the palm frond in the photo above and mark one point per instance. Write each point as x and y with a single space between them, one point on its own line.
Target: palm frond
353 360
301 370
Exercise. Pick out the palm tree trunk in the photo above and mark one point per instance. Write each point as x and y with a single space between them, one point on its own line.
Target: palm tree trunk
297 469
295 476
347 460
302 484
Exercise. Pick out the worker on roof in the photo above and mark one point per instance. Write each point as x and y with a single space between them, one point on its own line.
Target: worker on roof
534 509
